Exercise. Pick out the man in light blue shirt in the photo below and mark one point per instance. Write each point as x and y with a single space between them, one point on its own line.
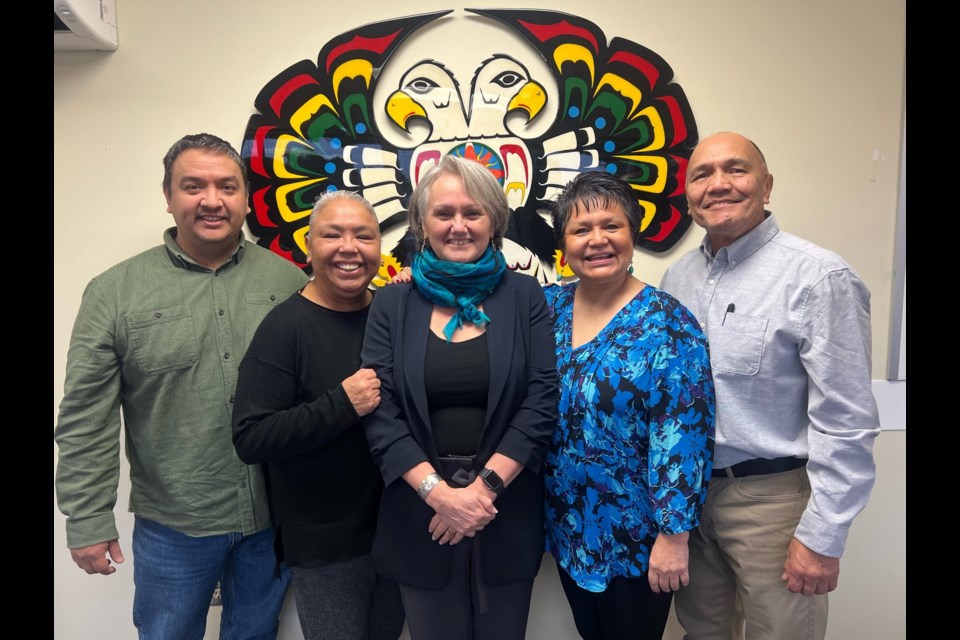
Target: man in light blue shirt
788 324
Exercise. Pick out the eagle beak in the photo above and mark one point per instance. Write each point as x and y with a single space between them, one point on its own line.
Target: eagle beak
401 107
530 98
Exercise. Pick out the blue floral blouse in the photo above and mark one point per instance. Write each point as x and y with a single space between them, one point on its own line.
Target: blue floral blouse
633 448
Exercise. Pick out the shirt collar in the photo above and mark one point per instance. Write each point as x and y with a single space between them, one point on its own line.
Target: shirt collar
182 260
746 245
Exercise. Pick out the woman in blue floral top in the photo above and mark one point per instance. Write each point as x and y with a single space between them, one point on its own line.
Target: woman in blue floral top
628 465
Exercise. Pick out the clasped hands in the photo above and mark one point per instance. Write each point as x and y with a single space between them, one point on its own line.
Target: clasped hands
460 512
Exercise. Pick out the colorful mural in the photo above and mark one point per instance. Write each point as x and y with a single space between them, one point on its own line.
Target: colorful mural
566 102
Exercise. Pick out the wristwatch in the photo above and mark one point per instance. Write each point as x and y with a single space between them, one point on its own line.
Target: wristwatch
427 484
492 480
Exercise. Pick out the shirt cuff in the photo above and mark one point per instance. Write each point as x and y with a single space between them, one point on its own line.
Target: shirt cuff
88 531
823 537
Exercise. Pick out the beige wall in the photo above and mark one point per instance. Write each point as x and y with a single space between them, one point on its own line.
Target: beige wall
818 85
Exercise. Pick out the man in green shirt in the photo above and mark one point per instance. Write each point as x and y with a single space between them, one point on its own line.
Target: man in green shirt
159 338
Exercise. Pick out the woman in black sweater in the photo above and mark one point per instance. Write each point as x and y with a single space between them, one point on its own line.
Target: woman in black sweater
300 396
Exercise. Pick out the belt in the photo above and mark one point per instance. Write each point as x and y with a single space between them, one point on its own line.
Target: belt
759 467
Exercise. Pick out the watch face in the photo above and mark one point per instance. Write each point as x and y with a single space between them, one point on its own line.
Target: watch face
492 480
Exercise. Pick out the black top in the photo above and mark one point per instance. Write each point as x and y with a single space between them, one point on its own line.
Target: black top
292 414
521 412
457 378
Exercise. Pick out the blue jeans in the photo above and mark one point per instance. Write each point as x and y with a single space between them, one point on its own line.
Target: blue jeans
175 574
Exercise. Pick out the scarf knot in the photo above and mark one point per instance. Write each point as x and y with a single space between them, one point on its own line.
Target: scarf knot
461 285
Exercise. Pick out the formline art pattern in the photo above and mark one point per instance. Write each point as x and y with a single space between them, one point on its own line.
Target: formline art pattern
600 106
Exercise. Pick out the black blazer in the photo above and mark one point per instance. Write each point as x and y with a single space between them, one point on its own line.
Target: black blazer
521 415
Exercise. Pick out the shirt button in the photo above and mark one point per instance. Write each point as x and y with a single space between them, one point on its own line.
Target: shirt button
157 314
231 399
243 485
273 298
711 281
220 311
226 356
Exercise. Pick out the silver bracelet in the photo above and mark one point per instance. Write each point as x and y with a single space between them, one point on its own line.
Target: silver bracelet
427 485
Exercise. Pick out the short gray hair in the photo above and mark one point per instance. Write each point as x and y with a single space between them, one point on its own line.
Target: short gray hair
596 190
332 196
205 142
479 184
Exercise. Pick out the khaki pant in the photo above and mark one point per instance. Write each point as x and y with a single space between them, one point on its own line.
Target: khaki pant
736 560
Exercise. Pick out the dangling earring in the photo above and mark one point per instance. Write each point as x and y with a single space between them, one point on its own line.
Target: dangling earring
630 269
423 245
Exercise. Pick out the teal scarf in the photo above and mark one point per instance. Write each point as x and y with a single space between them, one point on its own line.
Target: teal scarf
461 285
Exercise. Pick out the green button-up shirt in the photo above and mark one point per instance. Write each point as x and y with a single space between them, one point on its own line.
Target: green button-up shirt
160 338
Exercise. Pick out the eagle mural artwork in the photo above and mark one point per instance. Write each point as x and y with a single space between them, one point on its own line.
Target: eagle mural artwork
569 102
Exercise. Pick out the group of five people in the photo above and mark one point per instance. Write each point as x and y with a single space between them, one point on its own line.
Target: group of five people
416 450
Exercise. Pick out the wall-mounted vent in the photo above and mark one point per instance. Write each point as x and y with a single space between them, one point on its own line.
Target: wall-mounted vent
84 25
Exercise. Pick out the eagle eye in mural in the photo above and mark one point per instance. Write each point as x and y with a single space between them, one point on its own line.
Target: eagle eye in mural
568 102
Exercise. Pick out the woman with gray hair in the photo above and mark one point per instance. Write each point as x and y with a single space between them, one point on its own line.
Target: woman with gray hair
468 378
